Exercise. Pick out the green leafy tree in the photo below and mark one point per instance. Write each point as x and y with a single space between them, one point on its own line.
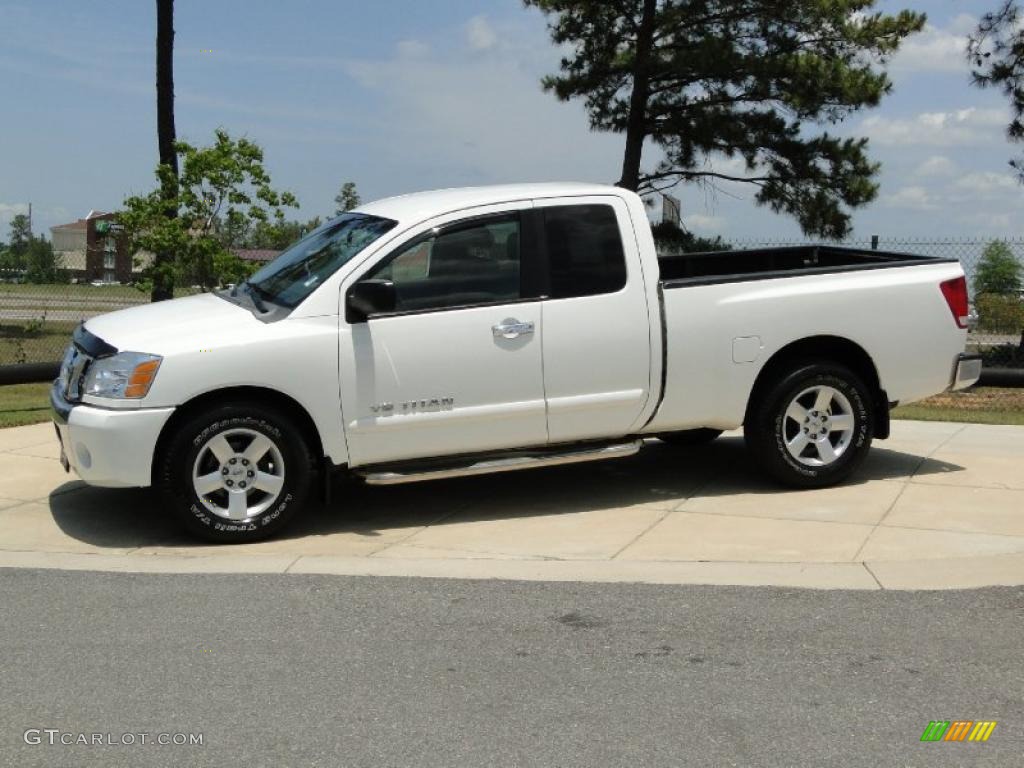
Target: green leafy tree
12 255
221 186
230 269
20 234
42 265
996 53
233 233
276 235
12 258
998 271
346 199
10 262
31 257
747 80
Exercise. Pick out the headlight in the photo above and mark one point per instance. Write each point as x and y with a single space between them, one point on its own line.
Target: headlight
124 375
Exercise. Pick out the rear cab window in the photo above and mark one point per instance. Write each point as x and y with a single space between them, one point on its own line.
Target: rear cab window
584 250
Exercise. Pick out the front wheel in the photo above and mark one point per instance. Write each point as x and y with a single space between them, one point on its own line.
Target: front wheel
235 473
813 427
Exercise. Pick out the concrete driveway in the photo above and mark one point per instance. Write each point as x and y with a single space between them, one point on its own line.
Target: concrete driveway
937 506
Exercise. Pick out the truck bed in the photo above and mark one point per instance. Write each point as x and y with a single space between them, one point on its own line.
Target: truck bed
766 263
728 313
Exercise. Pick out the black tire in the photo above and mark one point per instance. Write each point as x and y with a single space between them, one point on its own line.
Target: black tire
690 436
237 422
768 430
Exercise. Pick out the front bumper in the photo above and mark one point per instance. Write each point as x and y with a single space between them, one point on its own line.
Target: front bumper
966 372
106 447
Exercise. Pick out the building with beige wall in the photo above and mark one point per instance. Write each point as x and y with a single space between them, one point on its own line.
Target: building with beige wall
94 249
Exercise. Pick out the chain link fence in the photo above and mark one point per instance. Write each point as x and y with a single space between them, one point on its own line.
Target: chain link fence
997 322
36 320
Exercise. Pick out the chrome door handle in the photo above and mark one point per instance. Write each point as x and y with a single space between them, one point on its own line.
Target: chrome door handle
511 329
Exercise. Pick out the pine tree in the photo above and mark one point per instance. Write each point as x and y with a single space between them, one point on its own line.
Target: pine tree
750 80
996 52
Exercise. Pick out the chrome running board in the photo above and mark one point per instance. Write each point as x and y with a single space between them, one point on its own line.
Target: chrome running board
498 463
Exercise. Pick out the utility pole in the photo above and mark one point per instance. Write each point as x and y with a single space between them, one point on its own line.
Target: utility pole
30 220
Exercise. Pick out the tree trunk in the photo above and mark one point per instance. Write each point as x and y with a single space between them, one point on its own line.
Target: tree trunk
163 281
636 123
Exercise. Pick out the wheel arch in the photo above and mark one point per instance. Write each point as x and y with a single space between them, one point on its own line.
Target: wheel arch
270 397
826 349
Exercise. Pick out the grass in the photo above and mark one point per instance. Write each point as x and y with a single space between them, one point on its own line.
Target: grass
45 344
978 405
80 291
40 337
22 404
72 290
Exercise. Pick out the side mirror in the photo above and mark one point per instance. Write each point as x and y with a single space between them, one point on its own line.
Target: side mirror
370 297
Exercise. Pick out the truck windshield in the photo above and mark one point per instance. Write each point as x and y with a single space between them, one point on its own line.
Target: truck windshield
303 267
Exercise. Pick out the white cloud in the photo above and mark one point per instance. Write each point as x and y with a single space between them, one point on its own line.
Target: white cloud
43 217
986 184
13 209
935 49
963 24
702 224
936 166
991 222
7 212
480 34
970 126
912 198
412 49
990 194
484 123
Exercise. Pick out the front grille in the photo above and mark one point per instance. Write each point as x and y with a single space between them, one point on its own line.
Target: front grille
72 371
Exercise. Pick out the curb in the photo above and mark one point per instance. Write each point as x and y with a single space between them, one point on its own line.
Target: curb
942 574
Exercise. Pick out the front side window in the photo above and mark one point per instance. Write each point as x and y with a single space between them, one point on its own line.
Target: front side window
302 268
584 250
472 264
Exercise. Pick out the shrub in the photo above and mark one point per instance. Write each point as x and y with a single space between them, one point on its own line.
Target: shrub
1000 314
998 270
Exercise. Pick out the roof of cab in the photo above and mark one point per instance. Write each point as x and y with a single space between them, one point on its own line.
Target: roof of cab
421 206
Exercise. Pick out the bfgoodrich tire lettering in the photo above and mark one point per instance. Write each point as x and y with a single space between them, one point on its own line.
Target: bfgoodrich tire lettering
813 427
213 451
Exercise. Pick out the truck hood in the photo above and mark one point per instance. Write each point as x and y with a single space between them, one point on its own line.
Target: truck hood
179 324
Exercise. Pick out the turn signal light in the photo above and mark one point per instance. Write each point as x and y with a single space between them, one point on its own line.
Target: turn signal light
141 379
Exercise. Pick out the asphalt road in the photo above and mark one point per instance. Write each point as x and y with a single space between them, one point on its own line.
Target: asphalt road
296 671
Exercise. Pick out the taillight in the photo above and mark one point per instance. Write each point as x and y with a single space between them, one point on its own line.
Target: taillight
955 291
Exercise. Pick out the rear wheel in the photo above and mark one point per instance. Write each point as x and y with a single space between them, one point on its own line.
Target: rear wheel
690 436
813 427
235 473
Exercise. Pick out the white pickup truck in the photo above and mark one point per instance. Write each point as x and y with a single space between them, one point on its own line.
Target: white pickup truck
478 330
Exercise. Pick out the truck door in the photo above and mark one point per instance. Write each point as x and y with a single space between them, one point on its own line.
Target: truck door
597 343
456 367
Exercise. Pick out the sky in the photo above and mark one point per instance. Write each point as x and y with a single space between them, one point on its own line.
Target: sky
404 96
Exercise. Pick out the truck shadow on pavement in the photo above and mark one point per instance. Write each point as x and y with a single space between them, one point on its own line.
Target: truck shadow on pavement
660 476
